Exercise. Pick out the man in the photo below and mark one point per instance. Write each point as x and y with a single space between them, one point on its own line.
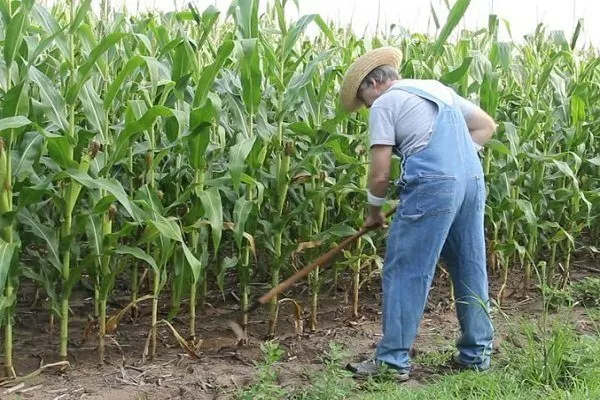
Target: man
441 212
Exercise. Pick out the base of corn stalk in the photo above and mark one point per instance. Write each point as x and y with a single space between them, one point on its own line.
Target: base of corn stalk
9 370
566 272
193 290
51 323
314 303
134 292
273 315
154 315
274 306
64 330
355 290
244 306
101 331
96 301
203 291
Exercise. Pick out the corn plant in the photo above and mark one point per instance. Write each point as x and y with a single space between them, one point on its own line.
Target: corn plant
198 152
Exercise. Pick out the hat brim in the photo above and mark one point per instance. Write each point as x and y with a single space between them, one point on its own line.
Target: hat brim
361 68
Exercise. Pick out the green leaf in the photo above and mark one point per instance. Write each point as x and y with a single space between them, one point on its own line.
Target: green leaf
293 34
16 101
18 121
29 153
456 13
210 16
237 159
213 211
167 228
339 231
247 18
197 142
457 74
577 32
59 149
498 147
565 169
195 264
52 102
131 66
46 233
339 153
144 123
209 73
530 216
595 161
84 71
326 30
250 75
227 264
181 62
42 17
139 254
14 37
93 230
6 253
92 106
241 212
82 11
112 186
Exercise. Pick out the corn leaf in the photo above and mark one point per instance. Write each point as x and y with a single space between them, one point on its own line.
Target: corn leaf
6 254
52 102
139 254
241 213
456 13
112 186
213 211
28 155
237 159
47 234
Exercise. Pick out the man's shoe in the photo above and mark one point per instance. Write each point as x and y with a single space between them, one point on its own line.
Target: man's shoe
457 363
373 369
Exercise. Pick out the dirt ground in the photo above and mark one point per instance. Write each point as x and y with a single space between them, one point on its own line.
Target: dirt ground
223 366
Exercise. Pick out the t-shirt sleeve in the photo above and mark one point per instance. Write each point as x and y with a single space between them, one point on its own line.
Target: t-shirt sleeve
465 106
381 127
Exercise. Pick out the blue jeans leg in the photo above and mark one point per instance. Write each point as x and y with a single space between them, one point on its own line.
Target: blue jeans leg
464 254
413 249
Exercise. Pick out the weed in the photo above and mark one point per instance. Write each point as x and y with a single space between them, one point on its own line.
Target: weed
434 358
587 291
555 297
266 385
333 382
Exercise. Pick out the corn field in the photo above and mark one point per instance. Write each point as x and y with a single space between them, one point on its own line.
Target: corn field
184 153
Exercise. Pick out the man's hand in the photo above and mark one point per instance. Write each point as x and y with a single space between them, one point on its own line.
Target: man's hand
375 219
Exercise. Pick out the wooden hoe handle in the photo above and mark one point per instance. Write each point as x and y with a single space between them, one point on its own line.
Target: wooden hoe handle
306 270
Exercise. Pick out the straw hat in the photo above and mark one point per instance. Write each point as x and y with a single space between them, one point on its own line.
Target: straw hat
361 68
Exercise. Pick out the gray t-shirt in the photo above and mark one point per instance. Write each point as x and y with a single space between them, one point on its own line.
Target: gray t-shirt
401 118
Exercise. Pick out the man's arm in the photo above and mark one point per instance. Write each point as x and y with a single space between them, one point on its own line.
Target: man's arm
481 126
378 180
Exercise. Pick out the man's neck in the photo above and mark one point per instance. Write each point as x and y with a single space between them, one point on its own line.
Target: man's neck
389 84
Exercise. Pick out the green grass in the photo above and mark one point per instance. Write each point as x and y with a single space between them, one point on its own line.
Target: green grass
552 361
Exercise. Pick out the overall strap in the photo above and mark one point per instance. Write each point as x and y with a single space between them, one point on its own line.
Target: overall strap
428 89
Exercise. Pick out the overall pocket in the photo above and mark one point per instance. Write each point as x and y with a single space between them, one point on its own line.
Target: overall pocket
436 194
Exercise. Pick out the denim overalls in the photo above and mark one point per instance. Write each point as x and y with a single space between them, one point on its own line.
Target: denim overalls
441 213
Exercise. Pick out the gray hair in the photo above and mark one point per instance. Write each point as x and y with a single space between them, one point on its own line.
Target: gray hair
381 74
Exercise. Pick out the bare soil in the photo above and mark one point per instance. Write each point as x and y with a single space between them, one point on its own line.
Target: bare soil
224 365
